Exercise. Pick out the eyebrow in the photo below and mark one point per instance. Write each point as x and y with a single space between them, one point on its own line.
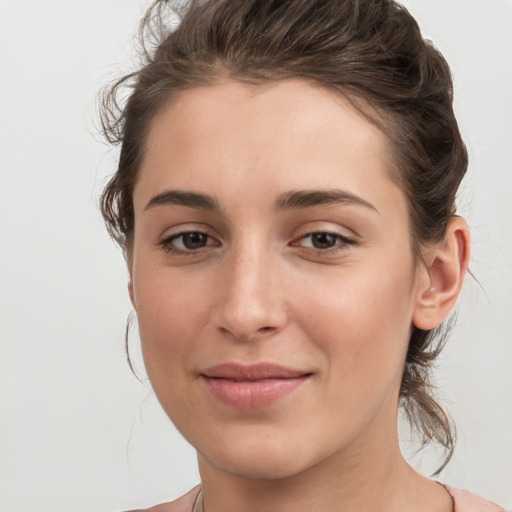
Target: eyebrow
290 200
184 198
309 198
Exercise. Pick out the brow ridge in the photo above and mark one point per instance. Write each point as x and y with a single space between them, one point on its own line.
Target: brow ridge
184 198
290 200
309 198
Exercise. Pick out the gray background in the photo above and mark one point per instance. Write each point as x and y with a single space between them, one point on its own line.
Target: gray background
78 432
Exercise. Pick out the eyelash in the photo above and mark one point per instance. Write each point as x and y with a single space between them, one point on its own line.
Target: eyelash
168 247
342 243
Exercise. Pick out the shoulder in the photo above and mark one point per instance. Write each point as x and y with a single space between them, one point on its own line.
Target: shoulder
183 504
465 501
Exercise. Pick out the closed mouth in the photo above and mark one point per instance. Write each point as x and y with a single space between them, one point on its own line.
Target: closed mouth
252 386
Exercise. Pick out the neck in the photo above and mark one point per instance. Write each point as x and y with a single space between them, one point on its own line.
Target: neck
363 477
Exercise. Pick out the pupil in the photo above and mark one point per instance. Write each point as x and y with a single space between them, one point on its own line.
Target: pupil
194 240
323 240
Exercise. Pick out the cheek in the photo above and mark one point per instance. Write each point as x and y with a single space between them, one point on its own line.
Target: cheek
171 315
170 312
361 320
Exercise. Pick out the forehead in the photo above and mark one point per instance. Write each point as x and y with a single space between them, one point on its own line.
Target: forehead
286 135
289 109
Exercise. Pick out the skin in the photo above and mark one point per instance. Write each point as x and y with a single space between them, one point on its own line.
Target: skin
260 291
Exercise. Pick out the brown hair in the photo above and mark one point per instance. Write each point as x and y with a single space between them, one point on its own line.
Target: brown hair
372 52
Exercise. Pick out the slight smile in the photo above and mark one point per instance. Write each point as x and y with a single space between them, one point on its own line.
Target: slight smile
252 386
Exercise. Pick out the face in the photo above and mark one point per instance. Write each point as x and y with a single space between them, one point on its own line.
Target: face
272 276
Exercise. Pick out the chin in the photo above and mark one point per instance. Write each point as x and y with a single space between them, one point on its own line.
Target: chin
260 467
259 457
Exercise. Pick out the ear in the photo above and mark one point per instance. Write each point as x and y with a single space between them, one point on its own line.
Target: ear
441 274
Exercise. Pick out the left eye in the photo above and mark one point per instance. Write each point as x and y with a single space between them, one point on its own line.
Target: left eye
322 240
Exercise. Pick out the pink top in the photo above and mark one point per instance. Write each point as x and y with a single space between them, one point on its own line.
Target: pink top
463 501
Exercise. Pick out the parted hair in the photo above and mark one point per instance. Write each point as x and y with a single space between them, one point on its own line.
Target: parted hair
370 51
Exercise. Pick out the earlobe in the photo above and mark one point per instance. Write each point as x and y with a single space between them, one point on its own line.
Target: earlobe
443 271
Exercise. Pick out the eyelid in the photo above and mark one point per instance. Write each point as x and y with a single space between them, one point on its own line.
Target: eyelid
344 239
343 242
177 236
326 226
165 242
186 227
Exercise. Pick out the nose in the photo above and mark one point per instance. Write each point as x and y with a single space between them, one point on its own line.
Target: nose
251 304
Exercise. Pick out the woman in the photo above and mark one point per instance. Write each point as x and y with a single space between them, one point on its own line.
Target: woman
285 199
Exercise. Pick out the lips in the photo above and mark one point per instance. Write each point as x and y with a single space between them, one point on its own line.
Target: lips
252 386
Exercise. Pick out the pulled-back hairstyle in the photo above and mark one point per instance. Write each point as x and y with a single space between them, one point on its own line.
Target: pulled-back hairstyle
370 51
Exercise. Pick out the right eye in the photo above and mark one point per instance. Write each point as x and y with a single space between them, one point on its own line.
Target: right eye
187 242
